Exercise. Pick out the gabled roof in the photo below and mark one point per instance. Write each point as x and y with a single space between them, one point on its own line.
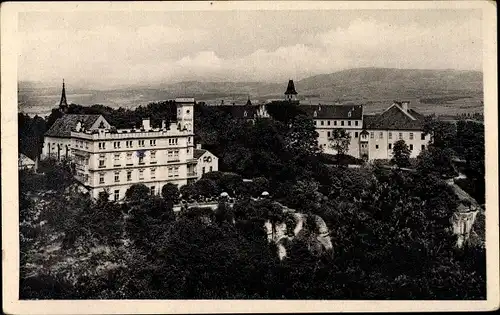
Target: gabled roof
24 160
62 126
395 118
198 153
333 111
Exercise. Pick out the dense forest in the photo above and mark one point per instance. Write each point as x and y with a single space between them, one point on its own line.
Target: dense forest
390 228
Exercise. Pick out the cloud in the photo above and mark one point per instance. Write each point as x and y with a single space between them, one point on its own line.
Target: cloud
117 54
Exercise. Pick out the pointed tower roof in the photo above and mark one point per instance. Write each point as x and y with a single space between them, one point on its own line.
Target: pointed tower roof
290 88
249 103
63 102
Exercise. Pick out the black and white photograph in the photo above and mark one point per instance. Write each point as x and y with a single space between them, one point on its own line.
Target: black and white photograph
249 152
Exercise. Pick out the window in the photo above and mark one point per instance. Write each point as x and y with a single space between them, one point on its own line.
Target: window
372 135
102 145
172 141
176 155
153 173
129 176
315 123
356 123
141 174
117 195
422 136
86 145
376 146
117 159
315 114
141 143
203 170
116 144
348 122
349 114
176 171
328 122
381 135
328 134
152 190
152 143
170 172
129 143
341 122
400 136
335 123
411 147
322 123
390 145
422 147
153 157
210 169
117 177
101 178
411 135
390 135
129 158
356 134
102 161
141 159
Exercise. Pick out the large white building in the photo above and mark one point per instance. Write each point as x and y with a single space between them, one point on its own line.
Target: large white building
372 136
110 160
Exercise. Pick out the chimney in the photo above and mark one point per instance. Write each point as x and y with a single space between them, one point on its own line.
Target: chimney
145 124
404 105
163 125
198 146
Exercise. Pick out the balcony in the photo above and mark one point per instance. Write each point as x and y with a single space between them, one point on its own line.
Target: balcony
192 174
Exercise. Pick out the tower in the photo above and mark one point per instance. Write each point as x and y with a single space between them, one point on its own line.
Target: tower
185 113
290 93
63 104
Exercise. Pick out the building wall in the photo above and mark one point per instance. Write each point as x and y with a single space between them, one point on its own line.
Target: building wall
325 128
381 142
51 145
167 157
207 163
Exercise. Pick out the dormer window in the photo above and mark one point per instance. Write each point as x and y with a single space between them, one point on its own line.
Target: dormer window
315 114
245 114
349 114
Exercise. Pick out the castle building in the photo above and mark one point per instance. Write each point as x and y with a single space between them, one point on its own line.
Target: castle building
372 136
110 160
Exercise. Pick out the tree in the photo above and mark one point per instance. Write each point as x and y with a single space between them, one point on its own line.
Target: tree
302 137
137 192
401 154
339 141
205 188
170 192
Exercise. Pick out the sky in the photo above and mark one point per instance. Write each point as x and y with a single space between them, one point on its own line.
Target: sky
139 47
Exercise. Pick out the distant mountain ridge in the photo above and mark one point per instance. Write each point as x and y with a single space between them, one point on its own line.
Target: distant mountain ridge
364 85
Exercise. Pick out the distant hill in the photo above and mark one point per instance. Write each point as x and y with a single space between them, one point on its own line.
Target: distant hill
384 82
371 86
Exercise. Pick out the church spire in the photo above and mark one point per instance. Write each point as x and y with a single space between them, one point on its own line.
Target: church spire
63 104
290 93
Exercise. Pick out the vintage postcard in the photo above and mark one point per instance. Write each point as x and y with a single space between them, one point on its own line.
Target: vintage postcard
248 156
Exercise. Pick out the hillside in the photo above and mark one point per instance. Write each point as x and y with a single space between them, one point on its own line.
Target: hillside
457 91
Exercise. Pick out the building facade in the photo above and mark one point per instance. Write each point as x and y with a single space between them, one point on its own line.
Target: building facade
372 136
206 161
113 160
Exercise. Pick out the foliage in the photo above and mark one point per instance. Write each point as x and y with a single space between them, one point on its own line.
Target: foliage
401 154
170 192
137 192
339 141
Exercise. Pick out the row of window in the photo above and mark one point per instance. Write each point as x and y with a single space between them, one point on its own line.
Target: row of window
129 143
172 172
172 155
400 135
422 147
342 122
116 193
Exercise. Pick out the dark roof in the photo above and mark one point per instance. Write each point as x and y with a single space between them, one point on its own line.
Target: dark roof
62 126
198 152
238 111
394 119
290 89
333 111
